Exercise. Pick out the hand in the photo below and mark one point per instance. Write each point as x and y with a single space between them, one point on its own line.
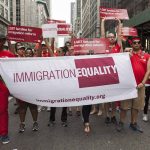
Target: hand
140 85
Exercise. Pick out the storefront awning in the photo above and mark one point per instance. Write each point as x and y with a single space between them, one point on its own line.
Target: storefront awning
139 19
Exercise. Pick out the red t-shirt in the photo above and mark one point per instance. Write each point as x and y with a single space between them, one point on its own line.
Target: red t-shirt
46 54
5 53
115 49
139 64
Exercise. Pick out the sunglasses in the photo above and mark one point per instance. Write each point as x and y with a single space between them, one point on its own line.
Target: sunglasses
136 42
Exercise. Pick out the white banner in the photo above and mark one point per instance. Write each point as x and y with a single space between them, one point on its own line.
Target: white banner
49 30
70 81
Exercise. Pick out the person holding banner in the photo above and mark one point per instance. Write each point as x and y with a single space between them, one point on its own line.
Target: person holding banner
115 47
24 105
60 52
70 52
141 68
4 93
43 50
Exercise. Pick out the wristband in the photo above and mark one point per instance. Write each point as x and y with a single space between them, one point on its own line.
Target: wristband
142 83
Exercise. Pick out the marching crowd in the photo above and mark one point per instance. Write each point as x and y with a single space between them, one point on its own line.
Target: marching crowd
141 68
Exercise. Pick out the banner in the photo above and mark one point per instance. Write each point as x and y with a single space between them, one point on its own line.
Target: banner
113 13
64 29
24 34
56 29
70 80
49 30
128 31
90 45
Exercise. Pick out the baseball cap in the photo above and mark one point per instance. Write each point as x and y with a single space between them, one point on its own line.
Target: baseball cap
21 46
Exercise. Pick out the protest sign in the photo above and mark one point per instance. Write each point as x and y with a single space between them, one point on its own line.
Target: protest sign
90 45
113 13
128 31
24 34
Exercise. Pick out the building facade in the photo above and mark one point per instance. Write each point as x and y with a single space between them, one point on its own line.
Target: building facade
77 25
139 11
4 15
73 16
28 12
90 23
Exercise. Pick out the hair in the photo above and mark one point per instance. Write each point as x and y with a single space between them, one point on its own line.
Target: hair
67 42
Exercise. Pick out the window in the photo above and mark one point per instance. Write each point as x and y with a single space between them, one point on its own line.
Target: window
6 2
1 10
6 14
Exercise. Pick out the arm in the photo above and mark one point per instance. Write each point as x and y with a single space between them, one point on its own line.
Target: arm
103 28
119 41
39 50
49 48
146 75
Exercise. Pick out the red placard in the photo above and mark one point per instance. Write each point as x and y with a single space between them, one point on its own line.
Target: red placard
93 46
112 13
64 29
128 31
55 21
24 34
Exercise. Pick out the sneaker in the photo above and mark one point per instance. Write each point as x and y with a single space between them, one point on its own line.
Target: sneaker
35 126
114 120
5 139
107 120
48 109
51 123
120 126
93 112
78 113
22 128
70 113
39 108
135 127
145 117
64 124
99 113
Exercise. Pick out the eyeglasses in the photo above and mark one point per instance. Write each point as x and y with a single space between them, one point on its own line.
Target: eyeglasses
136 42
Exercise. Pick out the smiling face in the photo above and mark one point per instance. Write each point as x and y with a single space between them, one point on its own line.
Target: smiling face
111 37
21 52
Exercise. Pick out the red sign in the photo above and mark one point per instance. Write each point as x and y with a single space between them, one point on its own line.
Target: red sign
24 34
92 69
64 29
127 31
112 13
92 46
55 21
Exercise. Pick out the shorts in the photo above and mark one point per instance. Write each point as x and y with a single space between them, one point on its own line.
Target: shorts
135 103
25 105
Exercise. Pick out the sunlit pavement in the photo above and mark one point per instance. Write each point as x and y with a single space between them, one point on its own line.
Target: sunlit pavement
102 137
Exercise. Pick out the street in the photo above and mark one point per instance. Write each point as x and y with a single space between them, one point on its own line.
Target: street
102 136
